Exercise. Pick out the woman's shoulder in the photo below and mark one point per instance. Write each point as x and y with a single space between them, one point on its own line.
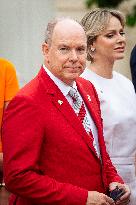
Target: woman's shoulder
123 80
89 75
121 77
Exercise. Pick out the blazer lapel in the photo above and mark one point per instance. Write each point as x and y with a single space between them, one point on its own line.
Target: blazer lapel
71 117
90 97
59 100
66 110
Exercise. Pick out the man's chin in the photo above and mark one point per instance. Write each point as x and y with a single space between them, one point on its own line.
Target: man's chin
74 76
70 80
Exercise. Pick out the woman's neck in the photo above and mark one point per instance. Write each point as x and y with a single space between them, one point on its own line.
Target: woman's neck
103 69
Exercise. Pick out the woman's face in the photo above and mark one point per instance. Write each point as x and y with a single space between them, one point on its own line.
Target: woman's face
110 45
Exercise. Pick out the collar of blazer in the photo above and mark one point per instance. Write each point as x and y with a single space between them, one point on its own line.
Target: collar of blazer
64 107
90 97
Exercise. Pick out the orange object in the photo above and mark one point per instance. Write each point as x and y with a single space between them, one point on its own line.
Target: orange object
8 86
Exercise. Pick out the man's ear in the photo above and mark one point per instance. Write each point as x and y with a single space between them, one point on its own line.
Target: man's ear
45 49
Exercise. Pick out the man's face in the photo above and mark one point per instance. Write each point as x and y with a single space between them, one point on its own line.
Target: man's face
66 55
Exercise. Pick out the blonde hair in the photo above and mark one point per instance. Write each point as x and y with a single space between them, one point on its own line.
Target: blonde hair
96 21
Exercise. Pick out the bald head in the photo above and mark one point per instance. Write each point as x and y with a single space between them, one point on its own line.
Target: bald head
63 24
67 27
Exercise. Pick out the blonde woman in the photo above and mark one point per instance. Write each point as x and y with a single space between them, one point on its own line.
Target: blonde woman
106 43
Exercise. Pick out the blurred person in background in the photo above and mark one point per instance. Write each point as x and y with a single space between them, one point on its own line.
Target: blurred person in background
133 66
106 43
8 88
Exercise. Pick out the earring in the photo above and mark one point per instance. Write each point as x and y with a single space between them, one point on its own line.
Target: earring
92 49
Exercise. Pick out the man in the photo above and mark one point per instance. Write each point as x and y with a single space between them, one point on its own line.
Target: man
8 88
133 66
54 159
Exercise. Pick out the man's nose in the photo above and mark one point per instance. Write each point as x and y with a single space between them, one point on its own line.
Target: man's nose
73 55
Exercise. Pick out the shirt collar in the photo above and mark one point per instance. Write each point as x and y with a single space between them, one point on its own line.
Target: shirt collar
61 85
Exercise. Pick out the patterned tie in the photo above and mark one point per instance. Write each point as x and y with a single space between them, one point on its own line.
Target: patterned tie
79 108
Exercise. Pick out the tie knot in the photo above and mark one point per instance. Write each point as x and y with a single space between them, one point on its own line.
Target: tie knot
74 94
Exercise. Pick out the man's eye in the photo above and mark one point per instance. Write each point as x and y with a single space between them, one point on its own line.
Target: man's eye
63 49
81 50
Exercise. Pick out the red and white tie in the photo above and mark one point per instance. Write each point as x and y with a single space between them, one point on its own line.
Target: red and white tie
79 108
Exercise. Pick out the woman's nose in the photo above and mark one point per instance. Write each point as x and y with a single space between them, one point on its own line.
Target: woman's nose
121 38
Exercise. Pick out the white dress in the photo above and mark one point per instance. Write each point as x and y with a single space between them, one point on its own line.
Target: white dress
118 106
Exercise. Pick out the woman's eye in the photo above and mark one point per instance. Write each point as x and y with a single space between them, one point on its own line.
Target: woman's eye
122 33
109 35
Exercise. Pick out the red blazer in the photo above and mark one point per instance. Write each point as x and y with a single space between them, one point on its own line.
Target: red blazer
48 156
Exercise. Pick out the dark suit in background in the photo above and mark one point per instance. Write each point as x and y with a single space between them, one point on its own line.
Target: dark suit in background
133 66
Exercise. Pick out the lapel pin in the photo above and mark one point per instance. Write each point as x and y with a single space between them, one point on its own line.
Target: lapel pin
60 102
89 98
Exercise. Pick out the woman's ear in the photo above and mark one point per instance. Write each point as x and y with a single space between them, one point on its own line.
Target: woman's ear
90 52
92 48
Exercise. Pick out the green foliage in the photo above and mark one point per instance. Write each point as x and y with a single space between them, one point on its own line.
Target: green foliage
130 19
103 3
89 3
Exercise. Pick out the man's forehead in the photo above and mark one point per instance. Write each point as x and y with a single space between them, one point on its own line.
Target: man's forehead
68 25
70 42
68 31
